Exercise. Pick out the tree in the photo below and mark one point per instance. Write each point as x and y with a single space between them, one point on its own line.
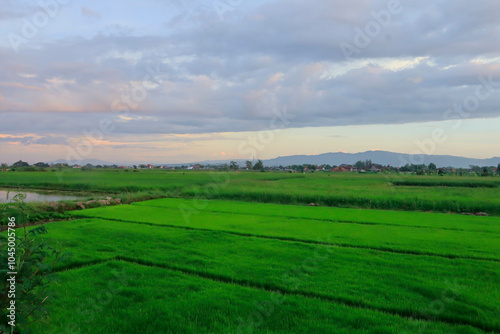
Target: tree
485 171
88 167
405 168
363 164
249 164
498 169
21 163
432 166
475 169
233 165
4 166
41 165
259 165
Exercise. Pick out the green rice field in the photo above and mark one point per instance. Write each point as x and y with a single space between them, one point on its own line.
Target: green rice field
243 253
373 191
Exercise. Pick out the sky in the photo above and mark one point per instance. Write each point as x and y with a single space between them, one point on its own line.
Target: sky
161 81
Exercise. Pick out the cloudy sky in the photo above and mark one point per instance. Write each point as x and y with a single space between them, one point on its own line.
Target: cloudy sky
179 81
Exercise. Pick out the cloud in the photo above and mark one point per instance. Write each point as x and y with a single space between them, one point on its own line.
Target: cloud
14 9
34 140
19 85
230 75
52 140
90 13
25 140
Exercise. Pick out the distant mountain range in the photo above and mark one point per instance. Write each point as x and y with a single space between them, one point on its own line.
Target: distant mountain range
379 157
383 158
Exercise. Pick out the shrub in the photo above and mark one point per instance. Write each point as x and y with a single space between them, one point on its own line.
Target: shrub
34 261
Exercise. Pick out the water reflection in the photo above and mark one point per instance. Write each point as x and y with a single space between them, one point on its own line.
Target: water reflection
38 197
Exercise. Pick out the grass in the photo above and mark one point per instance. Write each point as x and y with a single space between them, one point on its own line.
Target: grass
372 280
384 217
360 191
166 301
185 264
448 183
402 239
373 191
110 181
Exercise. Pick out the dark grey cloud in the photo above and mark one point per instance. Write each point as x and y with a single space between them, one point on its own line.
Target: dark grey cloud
295 30
23 140
52 140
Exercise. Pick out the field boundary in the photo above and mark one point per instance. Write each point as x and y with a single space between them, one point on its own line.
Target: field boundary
330 220
407 314
455 184
314 242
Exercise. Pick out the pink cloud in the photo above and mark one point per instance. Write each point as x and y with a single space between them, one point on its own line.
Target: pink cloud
90 13
19 85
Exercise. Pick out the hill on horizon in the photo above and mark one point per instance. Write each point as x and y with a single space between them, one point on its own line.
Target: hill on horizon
383 158
379 157
335 158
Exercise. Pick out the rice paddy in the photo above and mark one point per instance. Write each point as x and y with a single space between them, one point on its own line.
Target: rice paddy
204 260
